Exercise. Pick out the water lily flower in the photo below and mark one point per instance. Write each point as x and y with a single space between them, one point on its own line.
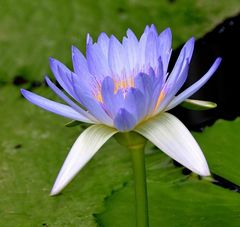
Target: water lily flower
121 87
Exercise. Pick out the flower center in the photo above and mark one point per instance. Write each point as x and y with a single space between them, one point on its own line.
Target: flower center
123 84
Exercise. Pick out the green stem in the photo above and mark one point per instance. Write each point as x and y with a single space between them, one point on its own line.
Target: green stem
135 143
139 173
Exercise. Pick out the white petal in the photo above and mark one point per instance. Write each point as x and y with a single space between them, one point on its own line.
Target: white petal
87 144
172 137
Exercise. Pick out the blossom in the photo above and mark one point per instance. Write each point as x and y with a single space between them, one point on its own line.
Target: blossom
121 87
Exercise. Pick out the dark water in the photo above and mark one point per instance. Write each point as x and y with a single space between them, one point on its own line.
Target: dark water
224 87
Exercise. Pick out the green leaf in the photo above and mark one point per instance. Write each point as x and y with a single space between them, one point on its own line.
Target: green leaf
193 104
174 200
34 143
221 146
178 200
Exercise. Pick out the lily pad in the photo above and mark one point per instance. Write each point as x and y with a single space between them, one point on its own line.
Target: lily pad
34 144
222 148
179 200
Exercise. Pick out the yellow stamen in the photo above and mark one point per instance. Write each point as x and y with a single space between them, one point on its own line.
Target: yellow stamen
99 96
160 98
123 84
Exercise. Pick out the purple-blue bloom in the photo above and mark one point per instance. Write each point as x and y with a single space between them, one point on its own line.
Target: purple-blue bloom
123 85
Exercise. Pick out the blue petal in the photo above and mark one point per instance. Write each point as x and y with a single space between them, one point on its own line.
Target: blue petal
97 62
175 88
60 94
173 77
153 29
117 58
91 104
159 80
146 30
189 48
89 40
80 64
142 49
145 84
112 102
164 47
96 109
54 107
131 46
196 86
124 121
63 76
103 42
135 103
157 88
186 53
151 50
